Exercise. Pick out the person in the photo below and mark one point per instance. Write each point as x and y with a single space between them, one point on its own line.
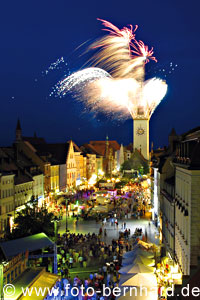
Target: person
117 224
71 262
100 231
104 270
105 232
80 260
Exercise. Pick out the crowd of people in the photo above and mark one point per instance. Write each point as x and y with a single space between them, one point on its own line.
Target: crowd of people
89 250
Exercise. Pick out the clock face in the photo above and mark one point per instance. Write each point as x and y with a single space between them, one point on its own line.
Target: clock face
140 131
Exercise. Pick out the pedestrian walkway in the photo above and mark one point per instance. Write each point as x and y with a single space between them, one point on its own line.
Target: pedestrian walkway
92 226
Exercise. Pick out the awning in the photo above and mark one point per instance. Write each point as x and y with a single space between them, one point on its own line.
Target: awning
31 280
30 243
45 282
141 279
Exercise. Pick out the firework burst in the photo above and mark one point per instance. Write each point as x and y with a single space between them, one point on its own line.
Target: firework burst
115 84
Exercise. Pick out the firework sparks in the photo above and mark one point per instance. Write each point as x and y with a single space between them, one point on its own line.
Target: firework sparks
79 80
121 93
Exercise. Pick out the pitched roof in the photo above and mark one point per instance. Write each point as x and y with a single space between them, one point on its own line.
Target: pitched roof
57 152
22 178
137 153
89 149
173 132
129 147
34 140
195 132
76 148
100 146
21 165
18 127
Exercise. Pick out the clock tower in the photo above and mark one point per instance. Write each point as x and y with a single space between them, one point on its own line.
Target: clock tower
141 133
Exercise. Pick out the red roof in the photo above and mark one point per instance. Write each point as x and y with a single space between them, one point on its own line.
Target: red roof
100 146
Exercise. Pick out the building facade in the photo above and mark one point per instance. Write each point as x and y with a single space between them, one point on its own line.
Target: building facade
7 202
178 195
187 197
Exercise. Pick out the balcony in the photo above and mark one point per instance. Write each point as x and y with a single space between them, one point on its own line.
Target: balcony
182 160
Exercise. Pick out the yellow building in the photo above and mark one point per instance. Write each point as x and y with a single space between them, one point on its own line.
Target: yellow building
71 167
23 190
54 171
7 202
14 268
99 165
91 165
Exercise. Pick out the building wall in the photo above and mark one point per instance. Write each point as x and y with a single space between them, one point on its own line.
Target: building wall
141 136
62 177
54 178
71 167
127 154
156 196
47 179
15 267
168 218
99 165
23 194
30 152
187 228
38 188
91 165
7 203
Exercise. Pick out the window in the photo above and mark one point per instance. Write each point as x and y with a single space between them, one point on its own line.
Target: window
12 275
8 278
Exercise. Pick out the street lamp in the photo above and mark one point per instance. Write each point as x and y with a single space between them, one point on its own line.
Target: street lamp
2 264
66 203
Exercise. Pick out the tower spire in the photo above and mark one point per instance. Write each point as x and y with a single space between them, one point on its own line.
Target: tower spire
18 132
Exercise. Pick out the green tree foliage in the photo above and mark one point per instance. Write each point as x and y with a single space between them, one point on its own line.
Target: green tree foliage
122 183
32 220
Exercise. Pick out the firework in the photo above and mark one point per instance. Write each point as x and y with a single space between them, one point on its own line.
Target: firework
115 84
80 79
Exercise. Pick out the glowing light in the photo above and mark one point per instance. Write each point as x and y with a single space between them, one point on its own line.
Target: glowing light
101 173
92 179
76 80
124 92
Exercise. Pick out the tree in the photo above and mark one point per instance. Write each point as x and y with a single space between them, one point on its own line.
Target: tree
121 183
32 220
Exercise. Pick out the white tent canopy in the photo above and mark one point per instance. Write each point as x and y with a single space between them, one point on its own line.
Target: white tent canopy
134 294
141 279
138 251
144 260
139 259
137 268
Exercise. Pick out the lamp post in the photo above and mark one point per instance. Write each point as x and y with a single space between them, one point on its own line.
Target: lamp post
66 202
1 281
55 221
